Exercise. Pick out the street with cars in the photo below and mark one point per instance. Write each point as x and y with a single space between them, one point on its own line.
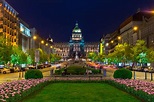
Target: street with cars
17 73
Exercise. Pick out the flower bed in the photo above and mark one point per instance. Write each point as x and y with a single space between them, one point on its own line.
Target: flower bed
142 89
17 90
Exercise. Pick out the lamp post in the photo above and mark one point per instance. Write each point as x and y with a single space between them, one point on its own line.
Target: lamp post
33 41
119 39
135 33
42 42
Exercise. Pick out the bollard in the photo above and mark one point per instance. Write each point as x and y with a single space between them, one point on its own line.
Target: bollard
134 75
145 75
19 74
151 76
22 74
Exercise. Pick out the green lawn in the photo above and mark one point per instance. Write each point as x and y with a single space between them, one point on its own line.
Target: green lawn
80 92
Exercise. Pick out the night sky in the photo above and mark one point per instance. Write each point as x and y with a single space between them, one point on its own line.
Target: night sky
96 18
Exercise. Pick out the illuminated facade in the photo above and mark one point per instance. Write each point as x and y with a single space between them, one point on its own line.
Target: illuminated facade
24 36
61 49
76 43
9 23
91 47
130 28
147 32
136 27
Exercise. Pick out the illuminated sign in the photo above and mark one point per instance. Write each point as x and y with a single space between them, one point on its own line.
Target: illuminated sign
25 30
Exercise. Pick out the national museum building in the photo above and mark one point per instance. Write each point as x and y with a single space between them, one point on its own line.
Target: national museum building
76 45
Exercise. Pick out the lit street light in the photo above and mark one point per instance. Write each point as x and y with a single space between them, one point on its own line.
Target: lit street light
135 28
34 37
42 42
119 38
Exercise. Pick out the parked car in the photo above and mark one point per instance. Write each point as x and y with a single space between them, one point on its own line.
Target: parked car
137 68
4 70
47 65
31 67
128 67
40 66
150 69
24 68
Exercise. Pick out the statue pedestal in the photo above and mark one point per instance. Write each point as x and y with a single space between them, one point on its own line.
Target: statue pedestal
76 56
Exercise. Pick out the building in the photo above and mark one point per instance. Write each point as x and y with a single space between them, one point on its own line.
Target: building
76 43
75 46
138 26
130 28
9 23
147 31
91 47
61 49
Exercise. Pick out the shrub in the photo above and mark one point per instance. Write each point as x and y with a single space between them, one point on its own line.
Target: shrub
76 70
94 71
33 74
123 74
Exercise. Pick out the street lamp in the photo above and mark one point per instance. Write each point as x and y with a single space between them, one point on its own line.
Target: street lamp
34 37
135 28
46 44
42 42
107 44
119 39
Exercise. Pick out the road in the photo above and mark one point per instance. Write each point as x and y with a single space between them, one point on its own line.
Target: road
46 73
20 75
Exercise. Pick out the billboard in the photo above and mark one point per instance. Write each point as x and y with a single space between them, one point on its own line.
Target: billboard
25 30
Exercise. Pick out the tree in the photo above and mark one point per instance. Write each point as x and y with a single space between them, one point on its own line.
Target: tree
29 60
18 56
112 58
100 57
92 56
43 56
150 55
54 58
121 54
5 51
31 54
23 58
138 50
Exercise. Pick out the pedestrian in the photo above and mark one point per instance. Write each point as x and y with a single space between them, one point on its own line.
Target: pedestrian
65 71
104 72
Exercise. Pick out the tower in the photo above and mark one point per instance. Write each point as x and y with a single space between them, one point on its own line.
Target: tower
76 43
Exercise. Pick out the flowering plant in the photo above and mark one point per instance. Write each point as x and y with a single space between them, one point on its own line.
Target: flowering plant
16 90
139 88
